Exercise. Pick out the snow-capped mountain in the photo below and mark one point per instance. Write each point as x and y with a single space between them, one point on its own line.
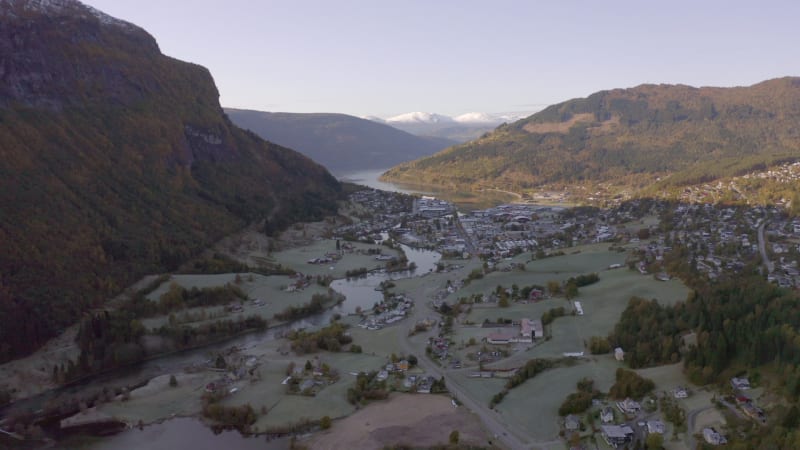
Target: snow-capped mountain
461 128
476 117
420 117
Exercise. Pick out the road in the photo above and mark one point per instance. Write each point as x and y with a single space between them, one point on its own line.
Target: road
762 247
691 417
502 432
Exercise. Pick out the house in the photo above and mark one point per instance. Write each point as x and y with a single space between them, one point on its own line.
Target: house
629 406
680 392
713 437
619 354
578 308
616 435
742 384
572 423
402 365
535 295
306 385
382 375
655 426
607 414
531 329
498 338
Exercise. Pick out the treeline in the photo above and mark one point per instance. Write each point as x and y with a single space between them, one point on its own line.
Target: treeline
580 401
630 384
743 320
552 314
330 338
367 387
316 305
584 280
531 368
178 297
112 339
649 333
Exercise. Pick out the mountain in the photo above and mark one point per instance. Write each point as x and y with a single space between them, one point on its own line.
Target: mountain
117 161
420 118
628 139
462 128
340 142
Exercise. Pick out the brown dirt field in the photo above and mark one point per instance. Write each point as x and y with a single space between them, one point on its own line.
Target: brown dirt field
418 420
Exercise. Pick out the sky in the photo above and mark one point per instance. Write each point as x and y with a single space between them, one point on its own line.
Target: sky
386 57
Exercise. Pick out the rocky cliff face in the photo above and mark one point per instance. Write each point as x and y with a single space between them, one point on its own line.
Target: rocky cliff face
116 161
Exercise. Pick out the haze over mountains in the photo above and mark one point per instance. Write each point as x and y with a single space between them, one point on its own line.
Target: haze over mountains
628 139
340 142
118 161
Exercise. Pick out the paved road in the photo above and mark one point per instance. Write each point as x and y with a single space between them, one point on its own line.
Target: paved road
691 417
762 247
503 433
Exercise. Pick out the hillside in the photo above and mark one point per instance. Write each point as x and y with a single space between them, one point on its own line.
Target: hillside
627 139
117 161
339 142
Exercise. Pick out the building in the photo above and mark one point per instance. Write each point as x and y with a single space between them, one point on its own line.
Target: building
656 426
713 437
742 384
629 406
619 354
578 308
680 392
531 329
607 414
617 435
498 338
572 423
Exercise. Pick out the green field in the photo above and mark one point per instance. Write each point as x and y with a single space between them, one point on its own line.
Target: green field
533 406
577 261
271 289
297 258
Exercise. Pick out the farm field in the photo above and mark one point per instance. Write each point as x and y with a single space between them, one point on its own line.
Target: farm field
271 290
297 258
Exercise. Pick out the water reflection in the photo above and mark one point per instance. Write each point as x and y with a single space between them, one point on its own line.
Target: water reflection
361 293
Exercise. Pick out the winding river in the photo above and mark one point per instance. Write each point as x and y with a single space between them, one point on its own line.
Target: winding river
191 433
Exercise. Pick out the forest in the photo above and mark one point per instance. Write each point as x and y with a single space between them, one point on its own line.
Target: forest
123 165
629 138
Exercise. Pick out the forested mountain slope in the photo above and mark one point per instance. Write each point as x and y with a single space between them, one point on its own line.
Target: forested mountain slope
117 161
628 138
339 142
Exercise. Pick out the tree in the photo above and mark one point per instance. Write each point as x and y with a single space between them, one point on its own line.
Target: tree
220 362
554 287
454 437
655 441
325 421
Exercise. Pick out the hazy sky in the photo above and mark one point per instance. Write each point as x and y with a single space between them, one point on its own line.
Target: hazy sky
388 57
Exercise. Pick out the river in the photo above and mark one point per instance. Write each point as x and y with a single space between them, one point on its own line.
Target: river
191 433
465 200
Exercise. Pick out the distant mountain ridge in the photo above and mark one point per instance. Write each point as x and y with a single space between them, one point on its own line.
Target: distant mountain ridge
117 161
627 140
462 128
340 142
